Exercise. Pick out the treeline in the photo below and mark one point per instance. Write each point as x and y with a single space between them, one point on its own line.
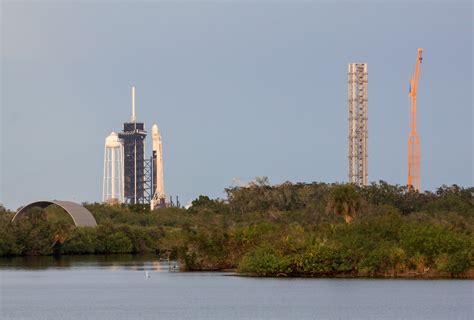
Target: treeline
260 196
51 231
290 229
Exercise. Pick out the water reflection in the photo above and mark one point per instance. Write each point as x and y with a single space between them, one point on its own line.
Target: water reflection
108 288
112 262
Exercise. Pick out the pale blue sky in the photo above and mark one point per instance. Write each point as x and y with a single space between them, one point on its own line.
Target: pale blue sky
238 89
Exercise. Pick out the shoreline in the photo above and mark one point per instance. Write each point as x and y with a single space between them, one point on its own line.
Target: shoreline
380 277
139 258
432 275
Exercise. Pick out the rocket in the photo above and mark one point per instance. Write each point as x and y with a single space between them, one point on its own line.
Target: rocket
159 196
156 137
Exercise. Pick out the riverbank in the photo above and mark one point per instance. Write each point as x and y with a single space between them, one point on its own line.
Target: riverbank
309 230
430 275
153 262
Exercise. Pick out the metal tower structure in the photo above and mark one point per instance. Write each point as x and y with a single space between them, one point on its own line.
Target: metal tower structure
113 187
358 133
413 180
148 180
133 139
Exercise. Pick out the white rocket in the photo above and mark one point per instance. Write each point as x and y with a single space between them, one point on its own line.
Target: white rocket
159 196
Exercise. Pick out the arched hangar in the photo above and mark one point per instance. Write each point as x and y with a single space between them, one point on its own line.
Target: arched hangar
80 215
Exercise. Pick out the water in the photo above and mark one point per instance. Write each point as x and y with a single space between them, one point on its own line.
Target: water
116 288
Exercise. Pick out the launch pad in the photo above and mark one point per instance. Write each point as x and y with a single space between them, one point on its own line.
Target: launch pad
141 177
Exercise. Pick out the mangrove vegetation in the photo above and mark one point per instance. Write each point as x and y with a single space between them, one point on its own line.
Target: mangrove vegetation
313 230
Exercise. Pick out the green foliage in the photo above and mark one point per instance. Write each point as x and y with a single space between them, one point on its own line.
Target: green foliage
31 235
82 240
205 203
283 230
8 242
264 261
344 201
321 259
386 244
116 242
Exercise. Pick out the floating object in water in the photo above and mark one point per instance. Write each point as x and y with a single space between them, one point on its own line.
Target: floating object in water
173 267
146 274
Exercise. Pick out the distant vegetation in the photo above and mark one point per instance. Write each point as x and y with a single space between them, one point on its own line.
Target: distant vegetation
290 229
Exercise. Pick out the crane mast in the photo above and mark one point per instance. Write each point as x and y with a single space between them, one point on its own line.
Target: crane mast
413 180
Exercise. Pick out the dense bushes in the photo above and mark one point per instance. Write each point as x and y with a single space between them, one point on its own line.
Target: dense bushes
390 245
44 233
312 229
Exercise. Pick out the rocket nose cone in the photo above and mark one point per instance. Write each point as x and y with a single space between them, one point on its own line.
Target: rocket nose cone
154 129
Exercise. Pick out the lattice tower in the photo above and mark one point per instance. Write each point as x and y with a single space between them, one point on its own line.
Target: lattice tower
358 133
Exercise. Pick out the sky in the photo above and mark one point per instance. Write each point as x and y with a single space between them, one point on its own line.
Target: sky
239 89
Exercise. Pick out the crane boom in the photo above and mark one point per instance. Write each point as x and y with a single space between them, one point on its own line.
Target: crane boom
413 180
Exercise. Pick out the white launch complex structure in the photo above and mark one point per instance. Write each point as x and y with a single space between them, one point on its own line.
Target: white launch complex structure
128 176
112 187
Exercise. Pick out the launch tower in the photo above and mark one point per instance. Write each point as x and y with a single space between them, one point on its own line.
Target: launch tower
133 139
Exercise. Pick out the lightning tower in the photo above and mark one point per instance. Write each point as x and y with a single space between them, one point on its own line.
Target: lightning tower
358 133
413 180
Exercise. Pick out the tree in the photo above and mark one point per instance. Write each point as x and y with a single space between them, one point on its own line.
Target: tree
205 203
344 200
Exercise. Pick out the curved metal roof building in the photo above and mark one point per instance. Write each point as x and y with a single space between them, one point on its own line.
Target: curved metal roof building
80 215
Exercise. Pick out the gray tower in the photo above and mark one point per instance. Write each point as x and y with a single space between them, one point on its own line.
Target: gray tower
358 133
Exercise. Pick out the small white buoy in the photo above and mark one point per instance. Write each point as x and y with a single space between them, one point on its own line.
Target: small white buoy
146 274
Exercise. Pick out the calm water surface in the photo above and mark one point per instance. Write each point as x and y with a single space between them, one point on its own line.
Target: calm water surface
116 288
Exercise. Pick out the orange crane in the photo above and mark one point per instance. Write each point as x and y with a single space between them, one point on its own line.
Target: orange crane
413 180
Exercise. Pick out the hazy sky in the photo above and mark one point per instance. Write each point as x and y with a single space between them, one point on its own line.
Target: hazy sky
238 89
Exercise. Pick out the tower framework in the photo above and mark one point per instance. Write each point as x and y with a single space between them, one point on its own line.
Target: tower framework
413 179
133 139
358 133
